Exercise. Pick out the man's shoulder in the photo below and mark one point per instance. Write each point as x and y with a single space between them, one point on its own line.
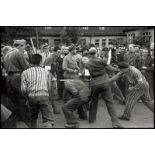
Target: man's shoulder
127 54
28 70
134 69
33 68
66 58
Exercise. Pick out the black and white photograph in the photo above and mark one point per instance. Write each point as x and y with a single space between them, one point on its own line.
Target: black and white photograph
77 77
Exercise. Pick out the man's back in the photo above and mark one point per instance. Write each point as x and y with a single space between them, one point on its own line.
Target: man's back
36 81
15 62
78 86
96 66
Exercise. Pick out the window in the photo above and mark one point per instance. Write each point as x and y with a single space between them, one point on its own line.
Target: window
103 42
48 27
85 28
101 28
110 41
57 41
97 42
120 39
147 36
133 36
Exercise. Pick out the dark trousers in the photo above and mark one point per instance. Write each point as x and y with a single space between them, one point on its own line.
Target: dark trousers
68 109
51 98
117 92
82 110
60 88
40 103
121 84
18 100
105 91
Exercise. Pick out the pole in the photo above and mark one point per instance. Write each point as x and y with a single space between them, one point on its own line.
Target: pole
37 38
32 45
109 57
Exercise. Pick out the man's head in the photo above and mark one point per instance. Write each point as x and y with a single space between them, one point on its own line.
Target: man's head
122 50
104 52
92 51
145 52
36 59
111 46
137 49
72 49
123 66
6 49
64 50
45 48
28 49
132 48
20 45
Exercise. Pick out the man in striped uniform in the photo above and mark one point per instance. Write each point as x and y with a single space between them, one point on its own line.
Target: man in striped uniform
138 89
35 87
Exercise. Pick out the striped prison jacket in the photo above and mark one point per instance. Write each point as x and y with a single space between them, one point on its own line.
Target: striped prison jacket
35 81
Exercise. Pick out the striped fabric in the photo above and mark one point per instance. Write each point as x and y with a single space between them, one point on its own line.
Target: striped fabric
140 91
135 77
35 82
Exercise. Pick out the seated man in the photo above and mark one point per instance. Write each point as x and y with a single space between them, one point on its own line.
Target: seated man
80 96
36 84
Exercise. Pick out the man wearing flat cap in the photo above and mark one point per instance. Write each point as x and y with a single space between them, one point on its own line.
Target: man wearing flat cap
97 69
138 89
15 63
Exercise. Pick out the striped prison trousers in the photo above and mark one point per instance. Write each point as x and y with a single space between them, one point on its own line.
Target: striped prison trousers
134 95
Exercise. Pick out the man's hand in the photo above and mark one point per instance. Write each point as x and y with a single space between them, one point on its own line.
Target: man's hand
76 71
54 79
131 88
144 67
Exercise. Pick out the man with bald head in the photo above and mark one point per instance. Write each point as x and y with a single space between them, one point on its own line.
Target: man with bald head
97 69
132 57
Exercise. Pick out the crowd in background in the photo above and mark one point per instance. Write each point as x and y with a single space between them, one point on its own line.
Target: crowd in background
33 80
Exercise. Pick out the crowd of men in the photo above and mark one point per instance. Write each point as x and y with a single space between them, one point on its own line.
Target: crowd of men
33 79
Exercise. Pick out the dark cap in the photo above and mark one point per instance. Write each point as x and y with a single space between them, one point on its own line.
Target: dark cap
123 65
72 47
56 49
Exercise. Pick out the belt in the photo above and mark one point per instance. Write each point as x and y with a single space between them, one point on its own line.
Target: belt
14 73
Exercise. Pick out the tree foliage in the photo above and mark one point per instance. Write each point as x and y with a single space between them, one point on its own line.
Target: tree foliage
70 35
9 33
142 41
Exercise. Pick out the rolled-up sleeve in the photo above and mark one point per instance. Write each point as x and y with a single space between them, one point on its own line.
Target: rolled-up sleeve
22 61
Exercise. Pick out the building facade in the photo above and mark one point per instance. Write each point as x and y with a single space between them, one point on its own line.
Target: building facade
146 32
100 36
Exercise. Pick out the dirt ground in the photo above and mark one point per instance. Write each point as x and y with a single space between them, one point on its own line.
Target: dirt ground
141 118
